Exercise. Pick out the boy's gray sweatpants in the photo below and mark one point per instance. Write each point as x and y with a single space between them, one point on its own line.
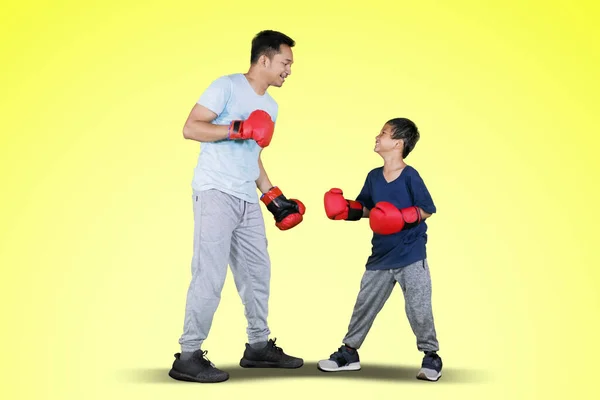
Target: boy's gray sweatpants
227 230
375 289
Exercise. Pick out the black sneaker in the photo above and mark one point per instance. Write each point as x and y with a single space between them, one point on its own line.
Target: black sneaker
345 359
431 367
196 369
269 357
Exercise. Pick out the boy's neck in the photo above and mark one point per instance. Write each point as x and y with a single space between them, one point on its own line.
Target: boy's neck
393 162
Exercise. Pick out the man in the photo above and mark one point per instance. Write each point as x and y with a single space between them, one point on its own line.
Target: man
234 119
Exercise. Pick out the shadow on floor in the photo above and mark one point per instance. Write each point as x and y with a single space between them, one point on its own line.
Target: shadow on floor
372 372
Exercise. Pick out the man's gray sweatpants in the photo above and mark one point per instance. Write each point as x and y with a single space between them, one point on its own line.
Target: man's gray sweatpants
375 289
227 230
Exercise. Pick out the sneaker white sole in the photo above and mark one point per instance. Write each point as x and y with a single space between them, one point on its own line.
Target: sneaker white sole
426 374
330 366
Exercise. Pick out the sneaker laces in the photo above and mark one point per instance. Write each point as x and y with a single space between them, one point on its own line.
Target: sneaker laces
274 347
337 354
204 360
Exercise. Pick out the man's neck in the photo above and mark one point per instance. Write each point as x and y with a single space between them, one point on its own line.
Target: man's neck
259 86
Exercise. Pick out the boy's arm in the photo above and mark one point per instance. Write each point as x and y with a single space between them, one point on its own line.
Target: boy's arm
364 198
424 214
386 219
421 197
337 207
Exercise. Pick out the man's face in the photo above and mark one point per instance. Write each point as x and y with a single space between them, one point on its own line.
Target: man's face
384 142
280 66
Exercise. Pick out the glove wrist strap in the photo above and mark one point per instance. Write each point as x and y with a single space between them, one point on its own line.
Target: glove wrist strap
355 210
234 130
271 195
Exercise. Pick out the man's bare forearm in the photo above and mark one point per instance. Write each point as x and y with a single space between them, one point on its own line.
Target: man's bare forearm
263 183
201 131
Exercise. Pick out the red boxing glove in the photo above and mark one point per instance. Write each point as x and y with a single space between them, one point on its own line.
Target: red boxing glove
386 219
287 213
259 126
338 208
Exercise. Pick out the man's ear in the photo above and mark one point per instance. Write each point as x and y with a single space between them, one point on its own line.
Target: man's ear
264 61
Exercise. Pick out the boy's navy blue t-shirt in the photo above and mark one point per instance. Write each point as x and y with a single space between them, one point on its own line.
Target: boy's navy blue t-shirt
407 246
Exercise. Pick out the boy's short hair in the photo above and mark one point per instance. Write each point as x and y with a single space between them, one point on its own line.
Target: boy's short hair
406 130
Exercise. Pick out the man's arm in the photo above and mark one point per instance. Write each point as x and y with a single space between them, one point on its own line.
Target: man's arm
198 126
263 183
287 212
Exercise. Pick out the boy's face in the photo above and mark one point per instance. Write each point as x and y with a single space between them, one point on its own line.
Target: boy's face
384 142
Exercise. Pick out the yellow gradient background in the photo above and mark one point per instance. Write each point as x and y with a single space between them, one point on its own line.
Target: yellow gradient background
96 219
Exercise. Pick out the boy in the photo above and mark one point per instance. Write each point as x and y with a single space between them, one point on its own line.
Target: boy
397 202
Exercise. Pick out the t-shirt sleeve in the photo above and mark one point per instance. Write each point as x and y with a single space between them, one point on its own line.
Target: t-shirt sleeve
420 194
364 197
216 95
